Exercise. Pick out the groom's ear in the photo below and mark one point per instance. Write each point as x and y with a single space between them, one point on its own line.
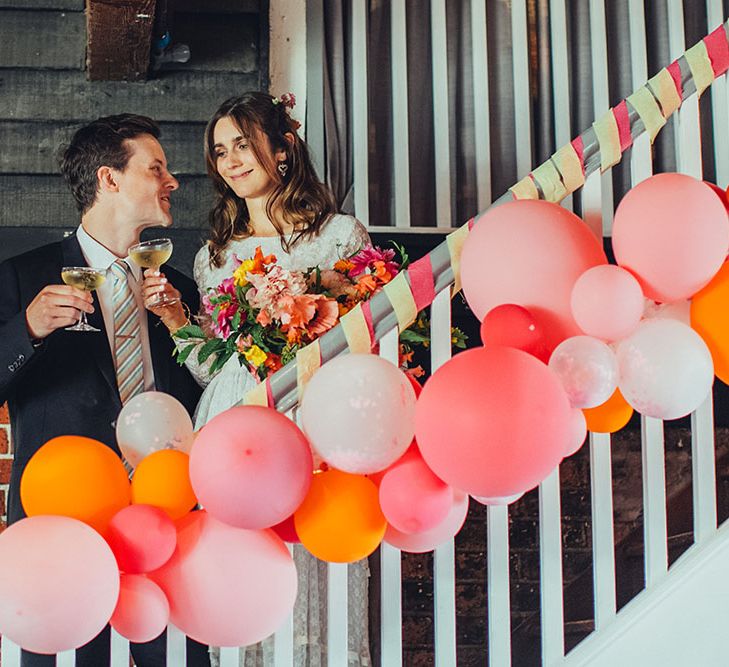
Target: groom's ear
106 179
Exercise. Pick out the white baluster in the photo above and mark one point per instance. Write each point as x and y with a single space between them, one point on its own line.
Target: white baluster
654 501
176 646
719 104
441 116
230 656
360 131
337 606
400 148
283 640
9 653
522 96
499 606
560 78
703 463
66 658
482 132
119 650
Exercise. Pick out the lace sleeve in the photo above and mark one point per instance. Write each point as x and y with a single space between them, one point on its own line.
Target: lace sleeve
200 371
355 237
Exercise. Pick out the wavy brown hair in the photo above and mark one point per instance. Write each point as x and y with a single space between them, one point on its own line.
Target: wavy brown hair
300 197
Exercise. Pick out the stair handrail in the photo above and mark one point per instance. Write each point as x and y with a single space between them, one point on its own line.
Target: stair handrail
601 147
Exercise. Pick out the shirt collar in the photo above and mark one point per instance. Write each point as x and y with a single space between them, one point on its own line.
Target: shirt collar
99 256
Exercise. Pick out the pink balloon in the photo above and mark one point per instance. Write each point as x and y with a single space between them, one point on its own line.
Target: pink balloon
358 413
578 432
412 498
587 368
529 253
430 539
514 326
607 302
672 232
492 421
142 538
142 612
507 500
59 583
250 467
227 586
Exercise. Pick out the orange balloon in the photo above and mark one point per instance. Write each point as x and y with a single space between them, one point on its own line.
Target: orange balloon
610 416
340 520
76 477
710 319
162 479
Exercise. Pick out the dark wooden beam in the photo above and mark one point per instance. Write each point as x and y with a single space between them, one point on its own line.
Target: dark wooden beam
119 39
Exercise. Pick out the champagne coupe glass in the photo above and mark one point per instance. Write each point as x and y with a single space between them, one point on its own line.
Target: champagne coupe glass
151 255
83 278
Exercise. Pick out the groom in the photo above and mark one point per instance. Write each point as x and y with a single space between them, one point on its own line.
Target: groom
59 382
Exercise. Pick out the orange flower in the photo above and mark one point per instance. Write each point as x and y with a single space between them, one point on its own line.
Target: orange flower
343 266
260 261
367 284
327 315
381 272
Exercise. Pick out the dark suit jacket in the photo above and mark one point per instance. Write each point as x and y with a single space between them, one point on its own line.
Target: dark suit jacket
67 385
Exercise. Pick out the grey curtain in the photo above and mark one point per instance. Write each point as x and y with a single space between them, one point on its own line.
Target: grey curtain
337 98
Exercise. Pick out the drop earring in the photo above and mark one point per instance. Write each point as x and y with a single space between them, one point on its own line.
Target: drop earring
282 168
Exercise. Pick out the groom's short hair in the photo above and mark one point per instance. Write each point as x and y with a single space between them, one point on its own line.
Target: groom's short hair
100 143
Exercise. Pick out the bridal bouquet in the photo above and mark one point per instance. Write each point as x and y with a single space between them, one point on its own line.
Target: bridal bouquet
264 313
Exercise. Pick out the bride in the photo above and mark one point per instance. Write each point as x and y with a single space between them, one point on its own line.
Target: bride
268 195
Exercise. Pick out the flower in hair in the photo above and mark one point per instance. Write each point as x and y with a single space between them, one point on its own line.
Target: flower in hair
287 99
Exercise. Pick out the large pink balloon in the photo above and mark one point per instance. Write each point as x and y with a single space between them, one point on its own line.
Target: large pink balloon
142 538
142 612
250 467
440 533
529 253
59 583
672 232
493 422
358 413
412 498
607 302
227 586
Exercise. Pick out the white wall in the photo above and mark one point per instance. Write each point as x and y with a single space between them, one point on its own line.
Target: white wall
684 623
287 53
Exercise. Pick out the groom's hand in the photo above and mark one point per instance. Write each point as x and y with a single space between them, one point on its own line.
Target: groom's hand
54 307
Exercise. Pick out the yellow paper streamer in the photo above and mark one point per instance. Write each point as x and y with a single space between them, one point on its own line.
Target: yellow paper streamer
568 164
700 66
548 178
665 91
256 396
645 104
525 189
455 241
356 331
308 362
606 130
401 298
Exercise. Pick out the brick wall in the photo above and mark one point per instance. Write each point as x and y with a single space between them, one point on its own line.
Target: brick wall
6 459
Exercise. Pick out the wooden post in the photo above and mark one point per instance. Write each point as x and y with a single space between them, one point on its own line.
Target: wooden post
119 34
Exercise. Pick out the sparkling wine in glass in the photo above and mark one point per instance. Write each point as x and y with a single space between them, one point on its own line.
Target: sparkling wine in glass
151 255
87 279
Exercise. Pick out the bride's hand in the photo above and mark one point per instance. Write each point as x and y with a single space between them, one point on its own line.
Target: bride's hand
172 314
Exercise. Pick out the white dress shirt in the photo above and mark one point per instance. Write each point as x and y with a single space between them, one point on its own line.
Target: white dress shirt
99 257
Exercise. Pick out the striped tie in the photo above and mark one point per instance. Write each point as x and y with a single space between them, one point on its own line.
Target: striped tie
127 335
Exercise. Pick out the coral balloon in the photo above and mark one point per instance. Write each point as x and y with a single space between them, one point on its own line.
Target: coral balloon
251 467
607 302
529 253
513 326
578 433
76 477
58 583
485 500
413 499
430 539
162 479
710 318
340 520
286 530
665 369
142 612
227 586
150 422
672 232
587 368
142 538
358 412
493 422
609 417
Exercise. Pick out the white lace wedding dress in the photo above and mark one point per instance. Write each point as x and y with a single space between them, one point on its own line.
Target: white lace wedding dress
340 237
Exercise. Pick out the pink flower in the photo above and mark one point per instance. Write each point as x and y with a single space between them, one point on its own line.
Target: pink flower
267 290
366 258
336 283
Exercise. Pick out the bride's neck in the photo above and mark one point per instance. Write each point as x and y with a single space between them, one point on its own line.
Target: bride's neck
258 221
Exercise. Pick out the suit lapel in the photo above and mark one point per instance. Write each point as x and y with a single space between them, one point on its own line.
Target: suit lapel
97 344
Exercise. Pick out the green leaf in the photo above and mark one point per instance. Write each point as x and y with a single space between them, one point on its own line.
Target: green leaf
220 361
183 354
190 331
212 346
410 336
